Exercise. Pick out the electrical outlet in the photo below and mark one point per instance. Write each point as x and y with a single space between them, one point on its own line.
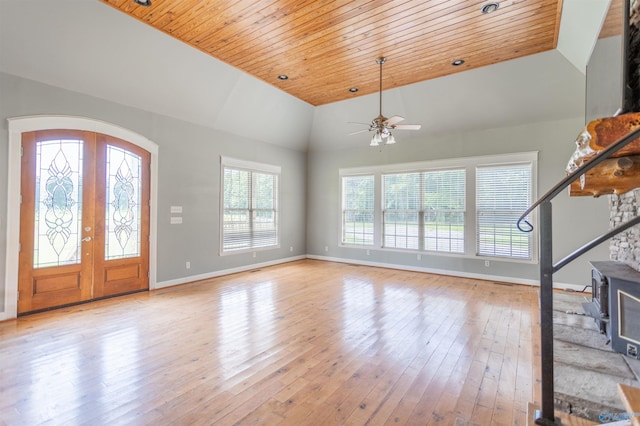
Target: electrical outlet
291 248
188 265
326 248
419 257
368 252
487 263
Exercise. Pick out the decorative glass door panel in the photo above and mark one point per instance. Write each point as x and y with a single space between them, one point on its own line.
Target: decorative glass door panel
122 232
58 203
122 217
84 227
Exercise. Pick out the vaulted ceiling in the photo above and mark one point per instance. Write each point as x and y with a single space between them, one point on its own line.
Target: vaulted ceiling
89 47
325 48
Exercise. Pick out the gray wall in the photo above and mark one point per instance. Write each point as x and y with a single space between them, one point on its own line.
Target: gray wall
576 220
188 175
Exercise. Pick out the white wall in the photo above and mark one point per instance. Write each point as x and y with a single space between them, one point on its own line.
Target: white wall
577 220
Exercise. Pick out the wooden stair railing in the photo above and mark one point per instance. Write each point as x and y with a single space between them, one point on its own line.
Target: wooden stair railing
546 416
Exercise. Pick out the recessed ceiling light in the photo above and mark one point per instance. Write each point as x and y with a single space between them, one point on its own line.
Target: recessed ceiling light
490 7
143 2
353 89
283 77
457 62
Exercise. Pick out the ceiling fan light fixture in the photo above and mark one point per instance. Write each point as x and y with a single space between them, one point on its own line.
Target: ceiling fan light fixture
376 139
490 7
382 126
143 2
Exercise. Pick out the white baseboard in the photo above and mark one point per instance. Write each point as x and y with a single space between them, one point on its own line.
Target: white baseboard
498 278
162 284
191 278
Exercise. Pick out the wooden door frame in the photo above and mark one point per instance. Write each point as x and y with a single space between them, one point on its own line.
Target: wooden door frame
19 125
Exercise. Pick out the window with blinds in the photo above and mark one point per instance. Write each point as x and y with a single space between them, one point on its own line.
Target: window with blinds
503 193
358 210
401 214
465 206
250 206
424 210
444 208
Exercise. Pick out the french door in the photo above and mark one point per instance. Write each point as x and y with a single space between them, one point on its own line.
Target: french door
84 218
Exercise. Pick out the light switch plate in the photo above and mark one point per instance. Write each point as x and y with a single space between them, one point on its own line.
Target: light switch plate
176 209
175 220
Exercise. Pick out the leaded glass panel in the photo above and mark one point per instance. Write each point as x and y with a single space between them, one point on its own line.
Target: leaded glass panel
122 204
58 203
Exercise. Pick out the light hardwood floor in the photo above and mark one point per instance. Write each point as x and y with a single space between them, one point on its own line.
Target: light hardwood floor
303 343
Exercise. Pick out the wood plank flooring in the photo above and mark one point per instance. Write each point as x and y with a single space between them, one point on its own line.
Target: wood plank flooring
303 343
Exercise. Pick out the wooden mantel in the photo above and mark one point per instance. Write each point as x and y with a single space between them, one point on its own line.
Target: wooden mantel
612 176
616 175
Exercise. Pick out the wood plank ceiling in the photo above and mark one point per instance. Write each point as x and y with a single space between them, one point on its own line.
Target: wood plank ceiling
327 47
612 22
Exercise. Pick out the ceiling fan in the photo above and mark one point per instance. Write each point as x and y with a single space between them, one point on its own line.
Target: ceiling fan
381 125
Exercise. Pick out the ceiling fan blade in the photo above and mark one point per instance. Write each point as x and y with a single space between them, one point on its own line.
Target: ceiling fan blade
363 124
395 119
408 127
359 131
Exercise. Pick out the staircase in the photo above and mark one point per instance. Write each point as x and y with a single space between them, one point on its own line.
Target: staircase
631 399
546 414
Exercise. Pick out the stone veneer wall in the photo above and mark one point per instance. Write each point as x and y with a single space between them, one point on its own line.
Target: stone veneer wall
625 246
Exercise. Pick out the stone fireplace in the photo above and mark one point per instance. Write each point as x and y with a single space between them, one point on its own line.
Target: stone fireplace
625 246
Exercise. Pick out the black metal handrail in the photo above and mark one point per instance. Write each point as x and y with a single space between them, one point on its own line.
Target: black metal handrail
547 268
599 158
595 242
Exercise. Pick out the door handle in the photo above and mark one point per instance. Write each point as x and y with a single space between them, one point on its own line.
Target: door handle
86 239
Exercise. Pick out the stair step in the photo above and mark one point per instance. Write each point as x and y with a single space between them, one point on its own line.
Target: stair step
565 419
631 399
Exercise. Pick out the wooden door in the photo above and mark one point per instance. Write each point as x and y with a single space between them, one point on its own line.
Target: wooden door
121 244
84 218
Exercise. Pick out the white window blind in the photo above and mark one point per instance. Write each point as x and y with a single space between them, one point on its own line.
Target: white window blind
250 209
444 208
503 192
401 212
466 206
357 210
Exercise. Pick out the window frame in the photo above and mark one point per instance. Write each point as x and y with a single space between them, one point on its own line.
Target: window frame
343 210
417 213
251 167
421 212
470 212
487 211
448 211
